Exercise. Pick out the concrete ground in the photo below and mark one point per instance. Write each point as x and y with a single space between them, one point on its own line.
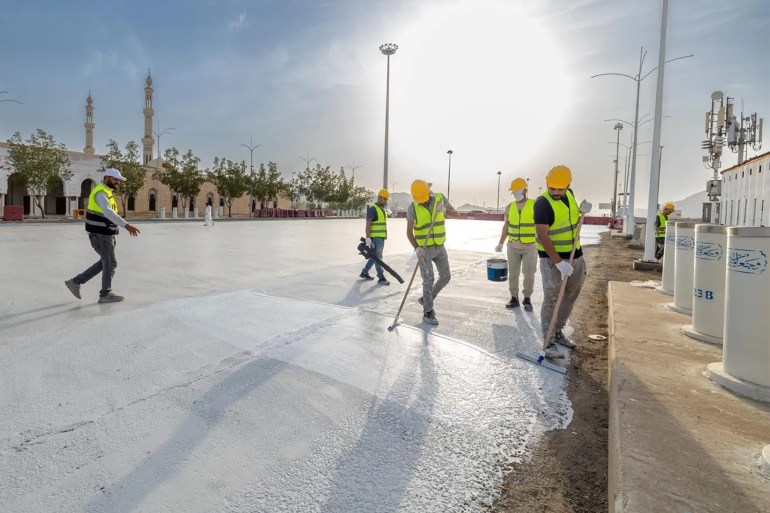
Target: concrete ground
250 370
678 441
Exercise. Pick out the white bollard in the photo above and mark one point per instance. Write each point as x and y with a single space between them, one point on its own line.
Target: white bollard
187 213
195 213
708 307
669 253
162 212
216 213
684 261
174 213
745 365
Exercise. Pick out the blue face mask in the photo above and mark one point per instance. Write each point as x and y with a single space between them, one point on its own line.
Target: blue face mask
518 196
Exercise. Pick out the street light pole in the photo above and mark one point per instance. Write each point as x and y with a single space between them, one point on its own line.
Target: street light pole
353 168
449 174
251 147
10 99
618 128
387 49
498 191
158 133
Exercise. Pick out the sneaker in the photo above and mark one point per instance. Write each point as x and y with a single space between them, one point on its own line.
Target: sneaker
383 281
513 303
430 318
74 288
527 304
552 352
111 298
561 339
365 276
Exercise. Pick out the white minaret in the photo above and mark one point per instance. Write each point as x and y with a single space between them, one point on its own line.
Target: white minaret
89 124
147 140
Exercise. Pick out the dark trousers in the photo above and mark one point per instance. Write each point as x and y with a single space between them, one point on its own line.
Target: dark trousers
104 245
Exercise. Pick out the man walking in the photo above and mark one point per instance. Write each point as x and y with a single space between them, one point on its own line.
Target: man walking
102 222
207 214
660 229
426 232
519 228
376 232
556 222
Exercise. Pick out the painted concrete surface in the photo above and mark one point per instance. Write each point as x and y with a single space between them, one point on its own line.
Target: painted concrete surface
249 370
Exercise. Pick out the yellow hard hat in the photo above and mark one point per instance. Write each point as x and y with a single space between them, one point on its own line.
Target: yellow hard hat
669 206
518 184
384 193
559 177
420 191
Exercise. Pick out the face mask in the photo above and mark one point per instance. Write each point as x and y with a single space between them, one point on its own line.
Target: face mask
518 196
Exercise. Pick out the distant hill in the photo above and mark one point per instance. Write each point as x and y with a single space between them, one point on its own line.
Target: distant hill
690 207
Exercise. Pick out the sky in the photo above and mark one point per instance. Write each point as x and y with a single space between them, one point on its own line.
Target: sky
504 84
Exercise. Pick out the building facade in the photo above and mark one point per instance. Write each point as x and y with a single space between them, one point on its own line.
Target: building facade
745 199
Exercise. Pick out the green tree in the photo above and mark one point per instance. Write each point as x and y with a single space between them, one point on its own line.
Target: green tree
230 179
129 165
360 197
40 163
182 174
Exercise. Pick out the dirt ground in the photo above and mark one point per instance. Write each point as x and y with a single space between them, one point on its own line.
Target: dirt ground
568 471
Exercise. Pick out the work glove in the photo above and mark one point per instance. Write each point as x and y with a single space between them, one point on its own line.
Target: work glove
585 207
369 242
565 268
441 207
499 248
420 252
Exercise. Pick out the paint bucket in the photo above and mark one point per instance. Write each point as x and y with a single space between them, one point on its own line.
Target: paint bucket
497 269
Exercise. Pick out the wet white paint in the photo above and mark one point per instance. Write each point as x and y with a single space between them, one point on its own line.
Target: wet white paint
248 370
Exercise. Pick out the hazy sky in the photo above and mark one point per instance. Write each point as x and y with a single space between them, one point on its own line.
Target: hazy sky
503 83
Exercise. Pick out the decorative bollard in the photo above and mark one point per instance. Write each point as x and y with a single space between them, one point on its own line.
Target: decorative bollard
187 213
195 213
669 253
162 212
174 213
708 306
683 267
745 365
216 213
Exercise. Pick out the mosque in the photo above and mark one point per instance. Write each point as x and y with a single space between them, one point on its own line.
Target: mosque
67 196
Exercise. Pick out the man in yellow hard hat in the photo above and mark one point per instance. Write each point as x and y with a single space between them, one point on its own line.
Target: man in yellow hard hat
519 228
426 232
376 233
660 229
556 218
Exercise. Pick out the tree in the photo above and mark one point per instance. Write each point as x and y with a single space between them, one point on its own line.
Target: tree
181 174
129 166
359 197
40 163
267 184
230 179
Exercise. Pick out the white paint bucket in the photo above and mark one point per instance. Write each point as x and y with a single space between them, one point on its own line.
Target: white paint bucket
497 269
708 307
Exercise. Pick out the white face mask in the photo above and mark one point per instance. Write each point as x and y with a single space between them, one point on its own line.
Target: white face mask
518 196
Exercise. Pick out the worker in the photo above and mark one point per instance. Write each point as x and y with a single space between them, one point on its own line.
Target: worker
519 228
102 223
556 225
660 229
426 231
376 232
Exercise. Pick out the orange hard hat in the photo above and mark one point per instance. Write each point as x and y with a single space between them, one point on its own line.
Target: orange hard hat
518 184
559 177
420 191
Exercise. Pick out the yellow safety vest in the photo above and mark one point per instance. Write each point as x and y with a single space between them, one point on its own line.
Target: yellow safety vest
521 225
379 228
422 224
96 222
660 231
563 231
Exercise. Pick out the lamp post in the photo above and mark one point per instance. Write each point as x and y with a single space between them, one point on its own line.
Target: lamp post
449 174
353 168
498 191
251 147
10 99
628 228
618 128
158 133
387 49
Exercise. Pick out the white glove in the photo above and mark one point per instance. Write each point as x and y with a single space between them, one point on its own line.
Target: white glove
441 207
565 268
499 248
585 207
369 242
419 252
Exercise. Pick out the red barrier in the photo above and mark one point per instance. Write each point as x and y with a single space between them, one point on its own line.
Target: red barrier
13 213
301 213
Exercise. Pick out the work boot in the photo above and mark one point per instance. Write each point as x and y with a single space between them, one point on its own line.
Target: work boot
552 352
111 298
383 281
74 287
365 276
513 303
527 304
561 339
430 318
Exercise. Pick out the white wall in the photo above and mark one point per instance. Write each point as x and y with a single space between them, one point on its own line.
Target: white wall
746 193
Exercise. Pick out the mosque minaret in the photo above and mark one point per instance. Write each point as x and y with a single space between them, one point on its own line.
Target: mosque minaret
147 140
89 124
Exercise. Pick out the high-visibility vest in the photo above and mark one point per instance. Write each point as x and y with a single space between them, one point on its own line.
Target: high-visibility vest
379 227
660 231
521 225
422 224
96 222
563 231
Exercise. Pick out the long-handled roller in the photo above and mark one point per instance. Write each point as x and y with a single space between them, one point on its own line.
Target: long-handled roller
540 359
